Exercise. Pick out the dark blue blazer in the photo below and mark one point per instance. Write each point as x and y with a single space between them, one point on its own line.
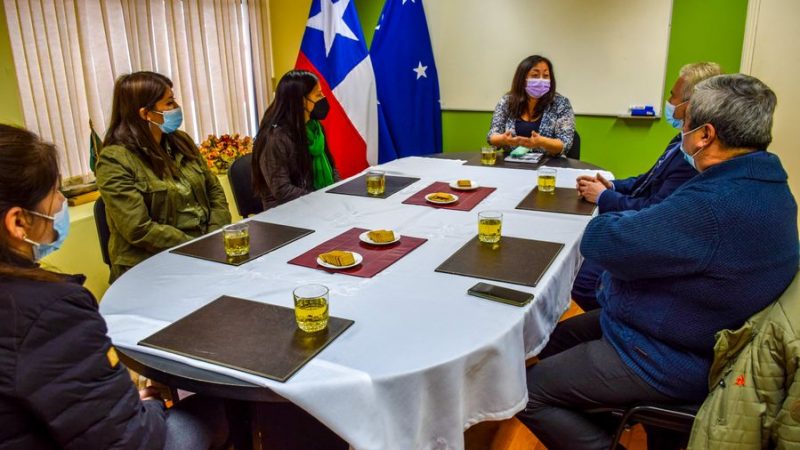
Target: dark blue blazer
637 193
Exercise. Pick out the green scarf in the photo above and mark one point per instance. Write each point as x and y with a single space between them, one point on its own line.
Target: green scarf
320 166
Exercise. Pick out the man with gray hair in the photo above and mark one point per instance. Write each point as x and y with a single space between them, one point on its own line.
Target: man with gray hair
668 173
719 249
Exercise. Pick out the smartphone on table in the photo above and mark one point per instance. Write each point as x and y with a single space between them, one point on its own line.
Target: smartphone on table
500 294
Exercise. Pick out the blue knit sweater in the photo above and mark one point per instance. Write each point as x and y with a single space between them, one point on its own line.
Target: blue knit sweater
718 250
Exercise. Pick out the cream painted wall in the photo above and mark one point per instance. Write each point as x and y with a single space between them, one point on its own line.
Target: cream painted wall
772 54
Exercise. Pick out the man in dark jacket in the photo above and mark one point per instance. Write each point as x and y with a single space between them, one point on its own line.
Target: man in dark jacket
719 249
636 193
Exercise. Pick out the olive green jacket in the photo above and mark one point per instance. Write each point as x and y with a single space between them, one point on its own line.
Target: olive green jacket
754 399
142 209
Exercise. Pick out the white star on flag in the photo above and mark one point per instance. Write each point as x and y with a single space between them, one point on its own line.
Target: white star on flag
412 1
331 14
420 70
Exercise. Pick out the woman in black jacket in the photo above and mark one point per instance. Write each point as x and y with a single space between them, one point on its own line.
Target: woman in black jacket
290 153
61 383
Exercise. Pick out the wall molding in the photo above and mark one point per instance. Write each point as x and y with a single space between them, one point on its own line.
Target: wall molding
750 33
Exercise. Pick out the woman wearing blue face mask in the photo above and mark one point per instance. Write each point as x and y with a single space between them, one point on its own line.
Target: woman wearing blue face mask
157 187
532 114
61 383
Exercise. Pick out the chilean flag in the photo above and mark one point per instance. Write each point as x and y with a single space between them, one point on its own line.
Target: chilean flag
334 49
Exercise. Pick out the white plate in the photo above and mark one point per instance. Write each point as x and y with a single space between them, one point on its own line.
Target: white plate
428 198
356 256
454 185
365 239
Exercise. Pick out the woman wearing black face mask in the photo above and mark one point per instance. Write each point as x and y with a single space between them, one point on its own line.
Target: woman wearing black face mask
290 155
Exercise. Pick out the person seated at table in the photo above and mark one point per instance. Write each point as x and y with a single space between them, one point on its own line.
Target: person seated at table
669 172
532 114
290 153
61 382
716 251
157 188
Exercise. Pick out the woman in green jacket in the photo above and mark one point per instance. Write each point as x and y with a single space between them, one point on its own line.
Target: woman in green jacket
157 188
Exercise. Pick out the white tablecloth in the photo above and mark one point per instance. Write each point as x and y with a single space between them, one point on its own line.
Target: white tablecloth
424 360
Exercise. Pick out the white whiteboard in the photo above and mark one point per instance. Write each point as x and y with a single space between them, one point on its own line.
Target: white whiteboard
607 54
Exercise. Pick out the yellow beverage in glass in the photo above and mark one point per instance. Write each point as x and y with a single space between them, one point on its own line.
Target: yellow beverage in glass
547 180
488 156
236 238
490 224
311 314
311 307
376 182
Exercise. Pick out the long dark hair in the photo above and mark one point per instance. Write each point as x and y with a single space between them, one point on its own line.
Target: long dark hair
518 98
286 112
28 174
127 128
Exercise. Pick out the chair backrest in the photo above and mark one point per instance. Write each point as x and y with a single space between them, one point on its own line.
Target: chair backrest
677 418
574 152
241 179
103 232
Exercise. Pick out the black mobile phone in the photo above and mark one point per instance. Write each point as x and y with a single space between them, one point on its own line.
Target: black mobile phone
500 294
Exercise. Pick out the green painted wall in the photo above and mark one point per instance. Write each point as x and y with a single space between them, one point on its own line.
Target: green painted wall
10 109
702 30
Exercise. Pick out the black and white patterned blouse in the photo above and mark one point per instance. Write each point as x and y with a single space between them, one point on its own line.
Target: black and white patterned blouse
558 121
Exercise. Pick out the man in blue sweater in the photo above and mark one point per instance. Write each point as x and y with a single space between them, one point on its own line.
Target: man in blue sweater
719 249
668 173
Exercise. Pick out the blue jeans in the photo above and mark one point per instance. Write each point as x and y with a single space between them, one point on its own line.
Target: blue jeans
196 423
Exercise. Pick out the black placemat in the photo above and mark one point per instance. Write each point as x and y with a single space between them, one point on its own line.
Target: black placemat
562 200
264 238
512 260
253 337
358 186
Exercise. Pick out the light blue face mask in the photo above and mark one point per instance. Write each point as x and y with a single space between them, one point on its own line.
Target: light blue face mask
172 120
61 227
690 158
669 114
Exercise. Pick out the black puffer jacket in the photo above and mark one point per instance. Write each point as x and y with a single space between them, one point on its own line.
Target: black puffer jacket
60 383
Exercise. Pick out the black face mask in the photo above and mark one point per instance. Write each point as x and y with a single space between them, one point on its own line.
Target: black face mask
321 108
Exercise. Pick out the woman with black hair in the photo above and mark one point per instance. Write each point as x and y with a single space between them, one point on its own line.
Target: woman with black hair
62 385
290 155
157 187
532 114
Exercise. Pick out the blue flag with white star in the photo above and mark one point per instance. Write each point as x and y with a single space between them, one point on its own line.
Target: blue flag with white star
407 83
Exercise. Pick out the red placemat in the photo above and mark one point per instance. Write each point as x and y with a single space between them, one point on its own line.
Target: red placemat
376 257
466 199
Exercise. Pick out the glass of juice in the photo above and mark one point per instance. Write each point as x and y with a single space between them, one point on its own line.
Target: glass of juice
236 237
488 156
376 182
490 224
311 307
547 179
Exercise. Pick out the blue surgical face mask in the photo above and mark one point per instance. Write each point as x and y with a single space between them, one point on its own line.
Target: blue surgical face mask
690 158
61 227
669 114
172 120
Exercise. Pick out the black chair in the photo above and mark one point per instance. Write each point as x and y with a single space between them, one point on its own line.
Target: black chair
574 152
677 418
103 232
241 179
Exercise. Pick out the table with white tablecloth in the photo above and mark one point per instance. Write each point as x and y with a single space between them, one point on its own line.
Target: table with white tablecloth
423 360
